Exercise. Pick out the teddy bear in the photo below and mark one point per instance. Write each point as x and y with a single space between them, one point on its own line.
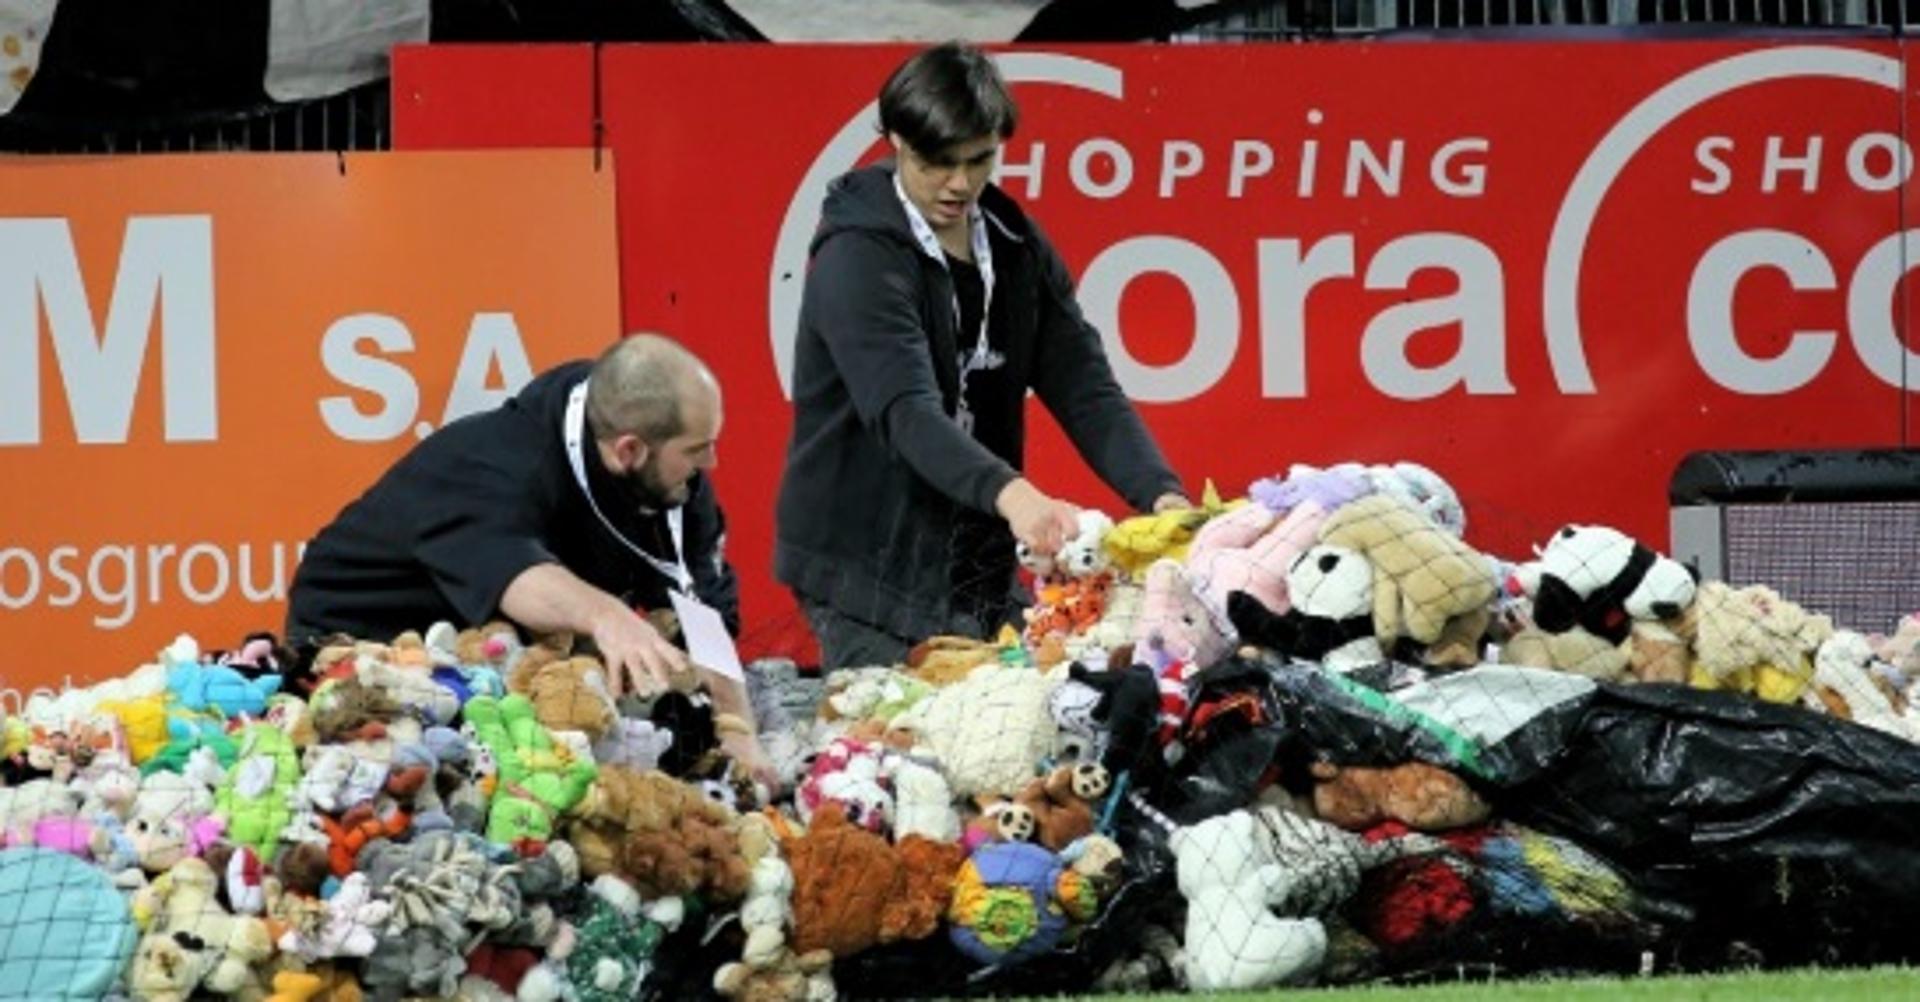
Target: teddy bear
1061 802
220 689
1421 796
1900 649
768 969
942 660
192 944
784 976
1423 576
172 819
411 687
987 731
345 925
1752 640
621 803
1574 651
853 890
1174 624
922 799
347 709
695 855
568 694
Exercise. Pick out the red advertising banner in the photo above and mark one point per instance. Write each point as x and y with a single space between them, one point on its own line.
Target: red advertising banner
1548 271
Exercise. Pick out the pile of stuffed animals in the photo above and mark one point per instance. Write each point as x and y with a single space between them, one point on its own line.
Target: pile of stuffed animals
469 814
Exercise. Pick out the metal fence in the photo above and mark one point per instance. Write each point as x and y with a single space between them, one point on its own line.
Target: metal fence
1299 19
358 119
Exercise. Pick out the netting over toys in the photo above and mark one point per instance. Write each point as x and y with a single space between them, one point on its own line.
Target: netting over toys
1306 735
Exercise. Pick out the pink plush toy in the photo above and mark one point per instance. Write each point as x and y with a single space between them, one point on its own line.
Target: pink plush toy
1250 549
1175 624
848 772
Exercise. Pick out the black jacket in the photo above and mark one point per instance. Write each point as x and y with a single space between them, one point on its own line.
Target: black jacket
444 532
877 470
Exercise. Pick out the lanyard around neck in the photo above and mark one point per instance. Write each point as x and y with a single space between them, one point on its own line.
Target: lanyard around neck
982 260
573 432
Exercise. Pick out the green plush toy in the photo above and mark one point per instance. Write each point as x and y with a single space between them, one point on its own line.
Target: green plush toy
538 780
256 797
613 954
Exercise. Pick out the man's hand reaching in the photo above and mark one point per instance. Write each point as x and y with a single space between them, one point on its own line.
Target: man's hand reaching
639 660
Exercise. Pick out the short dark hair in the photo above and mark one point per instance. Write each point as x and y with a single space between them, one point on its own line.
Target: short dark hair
945 95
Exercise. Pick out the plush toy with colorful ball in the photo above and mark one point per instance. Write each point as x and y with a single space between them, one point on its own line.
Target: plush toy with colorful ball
1012 901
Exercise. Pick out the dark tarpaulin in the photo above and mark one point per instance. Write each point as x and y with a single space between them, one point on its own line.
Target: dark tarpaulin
1793 832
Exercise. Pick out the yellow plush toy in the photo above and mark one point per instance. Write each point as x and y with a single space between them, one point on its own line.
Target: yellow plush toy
1752 640
1139 541
1423 576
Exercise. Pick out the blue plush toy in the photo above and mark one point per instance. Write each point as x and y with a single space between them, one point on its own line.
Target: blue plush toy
220 689
1012 901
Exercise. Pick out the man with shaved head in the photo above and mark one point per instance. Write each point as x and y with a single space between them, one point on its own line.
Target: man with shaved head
580 499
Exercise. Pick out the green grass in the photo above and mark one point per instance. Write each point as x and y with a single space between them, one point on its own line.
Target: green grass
1876 984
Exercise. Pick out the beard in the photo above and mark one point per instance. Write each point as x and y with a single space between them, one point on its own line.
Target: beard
649 490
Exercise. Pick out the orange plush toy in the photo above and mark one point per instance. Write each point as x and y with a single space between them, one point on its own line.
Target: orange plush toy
1418 795
852 890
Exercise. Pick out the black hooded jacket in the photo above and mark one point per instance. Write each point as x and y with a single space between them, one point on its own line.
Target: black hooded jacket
878 472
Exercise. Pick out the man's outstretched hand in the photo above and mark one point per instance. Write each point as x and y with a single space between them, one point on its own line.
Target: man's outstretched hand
638 659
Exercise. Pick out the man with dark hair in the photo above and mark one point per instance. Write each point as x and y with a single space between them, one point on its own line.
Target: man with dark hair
932 305
582 497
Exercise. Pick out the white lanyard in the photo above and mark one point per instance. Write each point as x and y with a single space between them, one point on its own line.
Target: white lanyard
573 432
983 260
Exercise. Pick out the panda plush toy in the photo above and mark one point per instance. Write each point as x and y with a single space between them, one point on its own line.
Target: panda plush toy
1601 580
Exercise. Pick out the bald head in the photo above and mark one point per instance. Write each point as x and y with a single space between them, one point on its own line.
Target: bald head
643 386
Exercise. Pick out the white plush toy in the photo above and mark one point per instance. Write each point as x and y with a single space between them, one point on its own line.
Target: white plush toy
987 730
1332 589
1243 871
1602 580
922 801
1843 669
1084 555
1234 940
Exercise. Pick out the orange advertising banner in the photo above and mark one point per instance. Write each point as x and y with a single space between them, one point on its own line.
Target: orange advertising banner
204 357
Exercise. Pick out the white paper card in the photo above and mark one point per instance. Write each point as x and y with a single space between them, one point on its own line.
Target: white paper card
706 635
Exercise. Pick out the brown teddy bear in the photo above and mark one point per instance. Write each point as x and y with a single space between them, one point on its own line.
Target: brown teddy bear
1062 802
568 694
349 710
851 890
490 644
1418 795
696 854
622 803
